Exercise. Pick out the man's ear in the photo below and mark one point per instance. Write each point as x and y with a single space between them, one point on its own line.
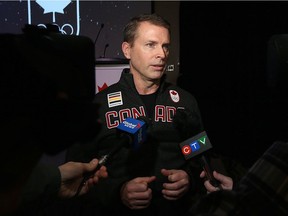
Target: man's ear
126 49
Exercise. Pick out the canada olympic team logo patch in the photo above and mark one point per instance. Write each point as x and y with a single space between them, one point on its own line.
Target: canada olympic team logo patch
115 99
174 96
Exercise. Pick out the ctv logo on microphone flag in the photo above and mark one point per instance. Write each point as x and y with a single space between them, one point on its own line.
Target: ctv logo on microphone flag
134 128
195 145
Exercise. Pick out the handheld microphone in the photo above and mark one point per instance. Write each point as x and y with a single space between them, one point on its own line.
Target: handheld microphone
130 131
195 146
102 26
136 129
188 123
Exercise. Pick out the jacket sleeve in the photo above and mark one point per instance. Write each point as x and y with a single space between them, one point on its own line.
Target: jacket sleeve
41 188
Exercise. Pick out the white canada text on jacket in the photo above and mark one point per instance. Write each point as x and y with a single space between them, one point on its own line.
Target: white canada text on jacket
162 114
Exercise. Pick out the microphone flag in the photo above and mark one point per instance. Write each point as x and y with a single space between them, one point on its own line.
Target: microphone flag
136 129
195 145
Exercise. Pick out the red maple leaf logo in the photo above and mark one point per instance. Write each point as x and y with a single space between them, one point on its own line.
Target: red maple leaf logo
174 92
103 87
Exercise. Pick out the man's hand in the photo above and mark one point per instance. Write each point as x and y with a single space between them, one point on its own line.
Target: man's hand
136 194
72 174
178 186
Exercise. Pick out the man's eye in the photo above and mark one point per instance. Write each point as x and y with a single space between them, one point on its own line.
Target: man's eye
150 45
166 48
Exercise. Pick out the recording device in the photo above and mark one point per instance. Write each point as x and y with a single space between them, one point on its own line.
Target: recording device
188 123
130 131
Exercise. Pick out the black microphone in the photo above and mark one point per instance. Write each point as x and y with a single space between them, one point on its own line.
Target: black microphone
129 132
188 124
104 53
102 26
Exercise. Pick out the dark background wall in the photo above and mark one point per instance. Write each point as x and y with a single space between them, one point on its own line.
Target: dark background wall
223 54
224 63
170 11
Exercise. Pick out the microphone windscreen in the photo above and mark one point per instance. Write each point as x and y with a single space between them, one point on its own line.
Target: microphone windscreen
187 123
136 129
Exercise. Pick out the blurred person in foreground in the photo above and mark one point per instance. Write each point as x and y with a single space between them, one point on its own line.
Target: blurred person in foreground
263 190
42 113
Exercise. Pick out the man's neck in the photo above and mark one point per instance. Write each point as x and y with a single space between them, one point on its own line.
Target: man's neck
145 87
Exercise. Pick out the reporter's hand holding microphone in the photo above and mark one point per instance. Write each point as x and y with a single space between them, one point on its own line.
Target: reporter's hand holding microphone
72 174
225 182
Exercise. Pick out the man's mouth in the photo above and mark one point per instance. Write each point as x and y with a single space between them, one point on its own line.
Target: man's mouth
158 67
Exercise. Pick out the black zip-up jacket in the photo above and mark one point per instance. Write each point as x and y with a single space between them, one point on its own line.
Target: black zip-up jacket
161 150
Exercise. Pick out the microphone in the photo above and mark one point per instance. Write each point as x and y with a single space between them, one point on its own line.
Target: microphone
104 53
188 123
136 129
102 26
195 146
130 131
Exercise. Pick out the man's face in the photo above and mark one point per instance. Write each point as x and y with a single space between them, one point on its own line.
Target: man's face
149 52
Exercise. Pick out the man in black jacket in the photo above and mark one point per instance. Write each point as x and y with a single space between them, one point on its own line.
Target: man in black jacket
156 179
